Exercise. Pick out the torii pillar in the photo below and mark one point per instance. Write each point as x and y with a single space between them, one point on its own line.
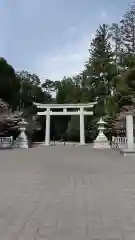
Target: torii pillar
82 136
47 129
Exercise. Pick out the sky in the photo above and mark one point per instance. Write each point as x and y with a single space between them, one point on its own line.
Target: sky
51 37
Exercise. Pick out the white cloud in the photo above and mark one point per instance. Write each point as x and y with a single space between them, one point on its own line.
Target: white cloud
67 61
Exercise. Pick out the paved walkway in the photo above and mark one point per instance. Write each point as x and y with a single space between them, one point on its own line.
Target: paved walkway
66 193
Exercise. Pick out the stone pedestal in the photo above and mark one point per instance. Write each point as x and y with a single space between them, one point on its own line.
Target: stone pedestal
22 138
101 140
127 152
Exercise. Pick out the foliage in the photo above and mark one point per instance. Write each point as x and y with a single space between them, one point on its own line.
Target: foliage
108 78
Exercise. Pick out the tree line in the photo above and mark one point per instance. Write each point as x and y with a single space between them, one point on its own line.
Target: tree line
108 78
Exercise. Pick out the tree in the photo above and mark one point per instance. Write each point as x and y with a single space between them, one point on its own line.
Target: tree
9 84
69 91
128 30
30 90
73 129
99 68
49 86
8 118
116 43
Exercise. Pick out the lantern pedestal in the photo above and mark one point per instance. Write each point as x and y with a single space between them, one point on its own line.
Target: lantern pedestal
101 141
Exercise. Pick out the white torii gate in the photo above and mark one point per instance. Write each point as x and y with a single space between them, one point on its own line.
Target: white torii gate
66 110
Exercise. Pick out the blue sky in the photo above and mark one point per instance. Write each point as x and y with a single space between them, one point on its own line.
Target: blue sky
51 37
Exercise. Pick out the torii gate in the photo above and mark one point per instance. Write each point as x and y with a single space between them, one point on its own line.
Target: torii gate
82 109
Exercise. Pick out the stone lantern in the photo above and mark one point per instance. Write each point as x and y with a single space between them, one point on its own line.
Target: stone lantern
22 139
101 140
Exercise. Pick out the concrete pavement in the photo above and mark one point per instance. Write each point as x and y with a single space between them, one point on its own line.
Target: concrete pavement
66 193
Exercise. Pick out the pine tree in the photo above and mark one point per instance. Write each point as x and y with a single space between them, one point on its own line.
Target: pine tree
128 30
100 49
116 40
100 68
